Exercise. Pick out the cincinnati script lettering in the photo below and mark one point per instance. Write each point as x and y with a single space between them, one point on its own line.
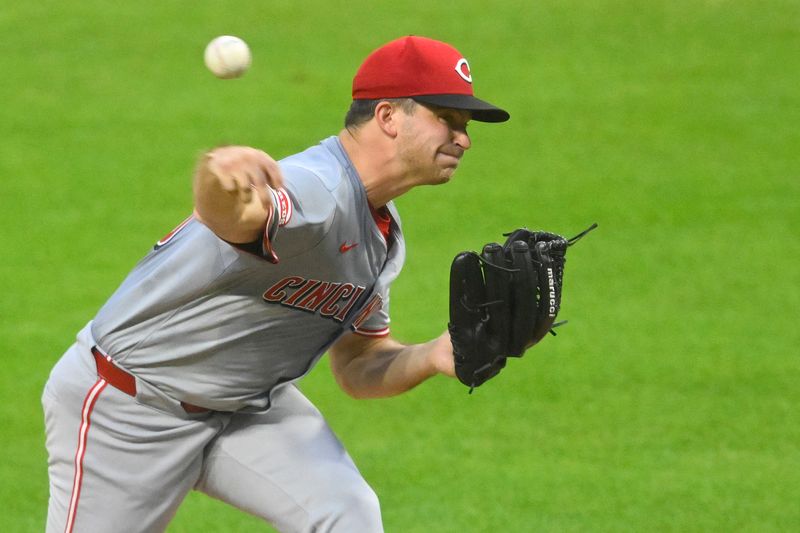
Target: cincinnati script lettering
331 300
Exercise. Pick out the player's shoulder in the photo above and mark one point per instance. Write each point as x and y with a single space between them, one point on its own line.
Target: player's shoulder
310 182
317 166
318 191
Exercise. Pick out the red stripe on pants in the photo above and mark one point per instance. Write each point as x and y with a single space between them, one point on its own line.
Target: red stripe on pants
86 414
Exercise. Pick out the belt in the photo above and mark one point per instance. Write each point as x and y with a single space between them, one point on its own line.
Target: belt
125 382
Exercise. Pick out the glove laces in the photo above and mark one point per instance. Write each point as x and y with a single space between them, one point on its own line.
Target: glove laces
577 237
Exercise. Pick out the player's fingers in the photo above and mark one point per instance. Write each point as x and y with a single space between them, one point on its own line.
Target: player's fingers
258 185
241 184
265 174
256 180
223 166
242 167
270 170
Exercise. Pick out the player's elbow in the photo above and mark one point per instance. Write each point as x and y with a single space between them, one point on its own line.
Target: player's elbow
354 392
360 365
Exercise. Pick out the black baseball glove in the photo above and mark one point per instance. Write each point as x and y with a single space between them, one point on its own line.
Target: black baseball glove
504 300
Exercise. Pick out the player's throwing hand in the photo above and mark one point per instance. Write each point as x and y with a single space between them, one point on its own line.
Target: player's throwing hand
232 191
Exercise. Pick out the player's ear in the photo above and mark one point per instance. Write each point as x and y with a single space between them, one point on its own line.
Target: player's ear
386 118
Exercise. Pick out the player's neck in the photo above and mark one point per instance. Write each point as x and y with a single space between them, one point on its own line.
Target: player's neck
378 170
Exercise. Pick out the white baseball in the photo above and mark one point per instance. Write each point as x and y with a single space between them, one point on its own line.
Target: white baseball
227 57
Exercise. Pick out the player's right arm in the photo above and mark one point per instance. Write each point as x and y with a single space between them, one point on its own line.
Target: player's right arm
231 192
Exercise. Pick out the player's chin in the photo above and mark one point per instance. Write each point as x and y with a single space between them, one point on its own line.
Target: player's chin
446 171
445 175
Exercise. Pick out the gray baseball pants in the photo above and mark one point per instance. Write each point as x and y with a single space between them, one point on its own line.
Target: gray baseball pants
124 464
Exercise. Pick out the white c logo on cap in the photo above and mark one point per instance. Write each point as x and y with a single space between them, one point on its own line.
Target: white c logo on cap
462 67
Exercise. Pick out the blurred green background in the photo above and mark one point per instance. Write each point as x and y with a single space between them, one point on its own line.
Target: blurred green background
671 400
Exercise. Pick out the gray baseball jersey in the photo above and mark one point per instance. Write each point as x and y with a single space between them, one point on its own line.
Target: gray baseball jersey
210 324
203 323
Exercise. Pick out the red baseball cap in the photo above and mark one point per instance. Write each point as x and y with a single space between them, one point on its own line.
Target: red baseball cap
426 70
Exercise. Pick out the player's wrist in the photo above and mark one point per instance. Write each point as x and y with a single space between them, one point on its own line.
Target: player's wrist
439 353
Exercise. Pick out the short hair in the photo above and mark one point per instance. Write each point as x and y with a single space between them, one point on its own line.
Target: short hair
362 111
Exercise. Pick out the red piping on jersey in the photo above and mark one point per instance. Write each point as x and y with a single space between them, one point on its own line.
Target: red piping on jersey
266 243
382 332
168 237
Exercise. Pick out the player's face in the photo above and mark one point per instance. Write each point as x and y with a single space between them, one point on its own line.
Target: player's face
432 142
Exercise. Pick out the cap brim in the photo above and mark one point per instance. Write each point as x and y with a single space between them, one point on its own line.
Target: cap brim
481 111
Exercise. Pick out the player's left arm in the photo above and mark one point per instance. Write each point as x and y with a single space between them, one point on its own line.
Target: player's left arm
376 367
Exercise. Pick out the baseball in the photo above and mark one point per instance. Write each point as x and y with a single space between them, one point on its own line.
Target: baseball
227 57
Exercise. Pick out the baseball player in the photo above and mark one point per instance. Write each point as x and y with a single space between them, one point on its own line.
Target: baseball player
185 378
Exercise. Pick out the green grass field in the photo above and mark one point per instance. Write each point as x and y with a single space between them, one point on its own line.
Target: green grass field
671 400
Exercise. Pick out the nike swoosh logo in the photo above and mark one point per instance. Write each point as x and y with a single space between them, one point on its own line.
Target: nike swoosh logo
347 247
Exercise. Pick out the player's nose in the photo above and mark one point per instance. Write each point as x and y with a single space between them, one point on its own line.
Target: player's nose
461 138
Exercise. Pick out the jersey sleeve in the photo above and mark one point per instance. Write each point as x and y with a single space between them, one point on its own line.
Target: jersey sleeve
302 214
375 320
